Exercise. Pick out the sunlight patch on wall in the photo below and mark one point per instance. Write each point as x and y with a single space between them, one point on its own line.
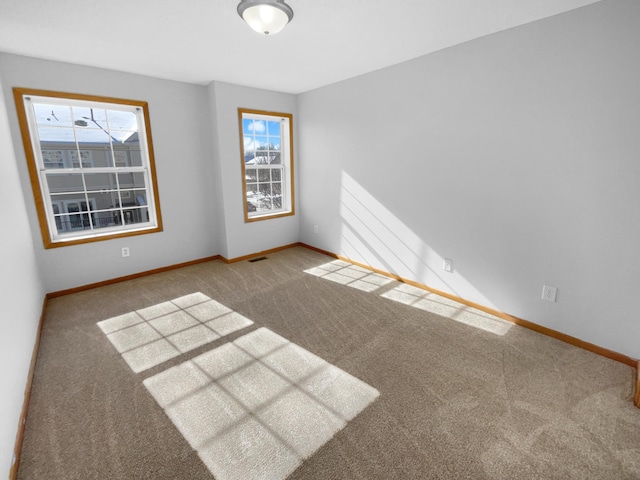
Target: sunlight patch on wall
257 407
351 275
373 235
150 336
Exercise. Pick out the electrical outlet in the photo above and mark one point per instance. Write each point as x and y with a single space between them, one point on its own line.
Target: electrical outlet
315 229
125 252
549 293
448 265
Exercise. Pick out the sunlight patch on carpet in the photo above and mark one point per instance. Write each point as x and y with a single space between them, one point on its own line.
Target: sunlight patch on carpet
345 273
430 302
150 336
255 408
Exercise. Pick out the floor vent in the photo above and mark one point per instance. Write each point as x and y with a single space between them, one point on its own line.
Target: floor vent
257 259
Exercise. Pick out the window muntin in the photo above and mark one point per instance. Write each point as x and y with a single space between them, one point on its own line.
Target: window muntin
267 164
91 166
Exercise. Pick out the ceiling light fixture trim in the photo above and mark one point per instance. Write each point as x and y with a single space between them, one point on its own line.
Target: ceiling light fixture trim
265 16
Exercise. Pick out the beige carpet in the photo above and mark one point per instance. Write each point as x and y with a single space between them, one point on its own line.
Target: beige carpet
303 367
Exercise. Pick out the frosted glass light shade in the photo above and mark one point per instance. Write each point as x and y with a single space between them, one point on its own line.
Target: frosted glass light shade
266 17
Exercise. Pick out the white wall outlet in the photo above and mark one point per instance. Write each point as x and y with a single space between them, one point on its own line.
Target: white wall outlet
125 252
315 229
448 265
549 293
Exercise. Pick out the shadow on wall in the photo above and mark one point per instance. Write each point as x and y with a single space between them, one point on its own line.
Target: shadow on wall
375 236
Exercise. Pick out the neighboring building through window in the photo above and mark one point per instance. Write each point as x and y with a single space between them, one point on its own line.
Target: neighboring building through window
266 144
91 166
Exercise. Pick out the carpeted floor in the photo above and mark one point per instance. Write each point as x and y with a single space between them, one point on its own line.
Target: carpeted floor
333 372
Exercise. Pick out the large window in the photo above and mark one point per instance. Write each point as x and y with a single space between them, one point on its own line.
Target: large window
91 166
267 164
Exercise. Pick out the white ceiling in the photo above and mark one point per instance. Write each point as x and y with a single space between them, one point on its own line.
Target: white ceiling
198 41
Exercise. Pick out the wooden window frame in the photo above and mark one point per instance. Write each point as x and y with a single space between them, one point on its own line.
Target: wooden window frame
31 142
287 163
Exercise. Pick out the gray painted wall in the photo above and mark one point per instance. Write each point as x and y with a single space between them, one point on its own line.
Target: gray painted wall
21 294
216 188
246 238
181 129
515 155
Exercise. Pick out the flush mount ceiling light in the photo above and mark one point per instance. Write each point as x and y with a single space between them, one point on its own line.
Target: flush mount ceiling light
265 16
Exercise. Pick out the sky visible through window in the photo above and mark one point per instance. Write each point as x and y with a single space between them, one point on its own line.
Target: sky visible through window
260 135
56 123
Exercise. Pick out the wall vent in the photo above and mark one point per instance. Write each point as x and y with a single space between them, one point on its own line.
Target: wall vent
257 259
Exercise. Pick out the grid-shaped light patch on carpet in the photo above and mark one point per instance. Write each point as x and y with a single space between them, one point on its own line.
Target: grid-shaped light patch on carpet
150 336
445 307
353 276
257 407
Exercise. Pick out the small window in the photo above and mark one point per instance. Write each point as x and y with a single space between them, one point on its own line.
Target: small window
267 164
91 166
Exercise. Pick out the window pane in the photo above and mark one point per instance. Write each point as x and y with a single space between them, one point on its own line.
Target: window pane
265 196
263 175
53 137
134 215
122 124
276 189
63 199
275 158
247 126
274 136
100 155
262 157
122 158
276 198
70 182
131 180
274 128
122 136
53 158
82 157
261 142
90 117
78 217
135 155
252 197
52 115
104 200
251 175
258 127
276 174
140 197
102 219
128 198
128 154
100 181
92 136
144 214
